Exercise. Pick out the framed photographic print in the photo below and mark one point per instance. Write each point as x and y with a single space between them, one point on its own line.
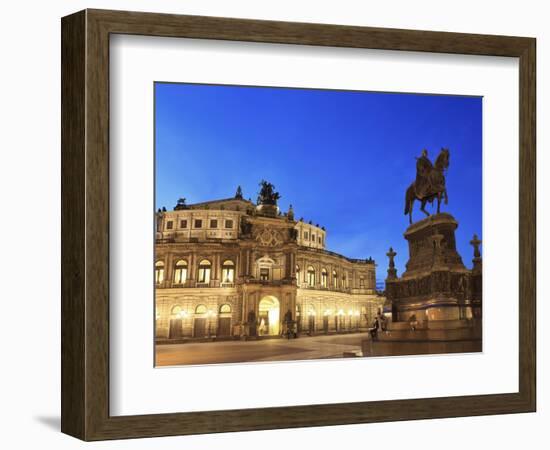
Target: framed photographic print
272 225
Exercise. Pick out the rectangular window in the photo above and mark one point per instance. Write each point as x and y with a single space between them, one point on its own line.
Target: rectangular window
169 225
228 275
264 274
319 239
306 235
204 274
228 224
180 275
159 275
213 223
183 224
198 223
313 237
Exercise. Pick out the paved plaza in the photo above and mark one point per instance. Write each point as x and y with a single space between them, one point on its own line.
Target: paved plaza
306 347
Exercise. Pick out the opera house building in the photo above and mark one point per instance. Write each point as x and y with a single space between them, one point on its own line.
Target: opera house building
234 269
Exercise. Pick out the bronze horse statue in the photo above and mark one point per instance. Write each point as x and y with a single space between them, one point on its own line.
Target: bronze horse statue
429 184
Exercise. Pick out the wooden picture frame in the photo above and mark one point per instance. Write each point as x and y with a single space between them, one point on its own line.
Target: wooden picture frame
85 224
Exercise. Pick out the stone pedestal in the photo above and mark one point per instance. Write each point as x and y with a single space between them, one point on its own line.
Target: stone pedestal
267 210
432 246
436 285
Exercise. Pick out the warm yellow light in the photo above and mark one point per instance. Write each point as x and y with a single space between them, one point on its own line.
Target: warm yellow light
350 312
182 314
327 312
356 313
341 312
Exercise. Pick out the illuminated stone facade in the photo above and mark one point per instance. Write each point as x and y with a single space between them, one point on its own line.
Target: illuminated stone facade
231 269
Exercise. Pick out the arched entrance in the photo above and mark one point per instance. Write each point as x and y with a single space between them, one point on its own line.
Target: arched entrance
268 319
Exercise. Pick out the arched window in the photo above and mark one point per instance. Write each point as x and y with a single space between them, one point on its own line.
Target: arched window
311 276
324 277
159 272
200 309
178 313
205 268
180 272
334 279
225 308
228 272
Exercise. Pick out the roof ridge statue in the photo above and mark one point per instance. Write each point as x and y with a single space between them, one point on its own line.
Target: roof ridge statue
267 195
430 182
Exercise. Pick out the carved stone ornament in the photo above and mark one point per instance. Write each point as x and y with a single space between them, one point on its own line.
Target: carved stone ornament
269 237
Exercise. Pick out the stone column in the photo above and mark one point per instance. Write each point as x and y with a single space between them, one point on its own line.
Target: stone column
192 276
168 270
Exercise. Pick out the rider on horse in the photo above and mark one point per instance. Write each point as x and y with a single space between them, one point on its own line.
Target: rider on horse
424 169
429 184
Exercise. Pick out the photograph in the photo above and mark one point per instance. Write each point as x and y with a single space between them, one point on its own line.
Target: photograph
295 223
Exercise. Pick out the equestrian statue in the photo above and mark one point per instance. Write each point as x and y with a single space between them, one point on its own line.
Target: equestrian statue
429 184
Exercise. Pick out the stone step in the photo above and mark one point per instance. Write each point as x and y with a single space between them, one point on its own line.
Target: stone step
441 334
434 325
389 348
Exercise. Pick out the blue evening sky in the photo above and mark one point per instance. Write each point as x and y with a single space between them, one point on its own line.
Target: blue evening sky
343 159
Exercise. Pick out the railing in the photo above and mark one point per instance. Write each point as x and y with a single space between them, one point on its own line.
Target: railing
328 252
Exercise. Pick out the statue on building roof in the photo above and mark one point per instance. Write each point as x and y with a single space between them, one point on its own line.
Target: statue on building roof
267 195
290 214
239 193
180 204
